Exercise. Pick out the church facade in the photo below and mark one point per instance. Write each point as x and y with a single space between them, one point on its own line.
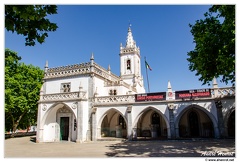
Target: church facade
86 102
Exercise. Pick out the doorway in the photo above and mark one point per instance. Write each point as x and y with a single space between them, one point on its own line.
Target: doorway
64 128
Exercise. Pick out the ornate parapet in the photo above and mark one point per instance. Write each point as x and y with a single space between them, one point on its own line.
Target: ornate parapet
63 97
121 99
223 92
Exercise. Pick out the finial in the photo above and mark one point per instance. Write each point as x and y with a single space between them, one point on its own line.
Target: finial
46 66
169 86
92 57
215 85
129 23
109 68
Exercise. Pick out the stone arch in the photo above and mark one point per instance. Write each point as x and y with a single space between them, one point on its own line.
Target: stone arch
230 115
109 124
150 110
50 124
54 107
199 110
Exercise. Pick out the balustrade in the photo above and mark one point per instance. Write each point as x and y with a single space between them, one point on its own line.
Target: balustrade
63 96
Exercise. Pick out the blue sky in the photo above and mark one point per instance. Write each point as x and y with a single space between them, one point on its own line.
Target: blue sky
161 32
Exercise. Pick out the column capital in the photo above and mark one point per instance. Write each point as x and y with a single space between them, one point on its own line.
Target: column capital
94 110
171 106
129 109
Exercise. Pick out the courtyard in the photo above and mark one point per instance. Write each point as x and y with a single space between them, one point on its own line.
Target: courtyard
26 147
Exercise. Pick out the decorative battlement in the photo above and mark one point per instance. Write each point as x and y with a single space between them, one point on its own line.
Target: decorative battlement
78 69
69 70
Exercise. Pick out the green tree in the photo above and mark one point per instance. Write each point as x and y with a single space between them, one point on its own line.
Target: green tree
22 88
214 38
30 21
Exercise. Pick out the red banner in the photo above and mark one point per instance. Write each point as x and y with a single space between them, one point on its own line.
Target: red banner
197 93
150 96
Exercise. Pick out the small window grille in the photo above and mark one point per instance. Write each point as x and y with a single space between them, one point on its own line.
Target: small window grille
65 87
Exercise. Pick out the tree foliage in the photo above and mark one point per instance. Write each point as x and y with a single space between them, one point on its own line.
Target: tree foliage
214 38
22 87
30 21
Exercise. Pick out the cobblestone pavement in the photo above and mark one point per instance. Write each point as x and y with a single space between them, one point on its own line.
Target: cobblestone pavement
26 147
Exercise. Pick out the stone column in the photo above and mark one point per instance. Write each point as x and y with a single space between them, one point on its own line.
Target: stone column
221 128
79 123
94 126
39 128
171 121
129 124
82 98
41 107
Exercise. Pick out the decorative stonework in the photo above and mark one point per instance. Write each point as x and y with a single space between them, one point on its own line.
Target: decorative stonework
223 92
74 105
171 106
44 108
63 96
114 99
64 110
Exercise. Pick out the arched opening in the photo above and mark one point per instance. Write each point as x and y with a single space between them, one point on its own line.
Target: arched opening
231 124
151 125
59 124
195 123
128 64
113 125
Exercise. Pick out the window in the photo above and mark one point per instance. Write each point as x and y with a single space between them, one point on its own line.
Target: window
128 64
112 92
65 87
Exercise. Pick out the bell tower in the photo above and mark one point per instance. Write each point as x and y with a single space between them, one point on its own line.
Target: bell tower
130 63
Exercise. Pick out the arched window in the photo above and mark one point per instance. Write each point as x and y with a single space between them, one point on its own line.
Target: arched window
114 92
128 64
110 92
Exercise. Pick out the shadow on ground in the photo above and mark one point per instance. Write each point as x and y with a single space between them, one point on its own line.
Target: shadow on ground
174 148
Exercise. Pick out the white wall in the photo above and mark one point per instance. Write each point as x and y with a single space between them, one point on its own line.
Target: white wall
54 86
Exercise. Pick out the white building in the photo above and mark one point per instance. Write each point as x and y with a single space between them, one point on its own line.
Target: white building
85 102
